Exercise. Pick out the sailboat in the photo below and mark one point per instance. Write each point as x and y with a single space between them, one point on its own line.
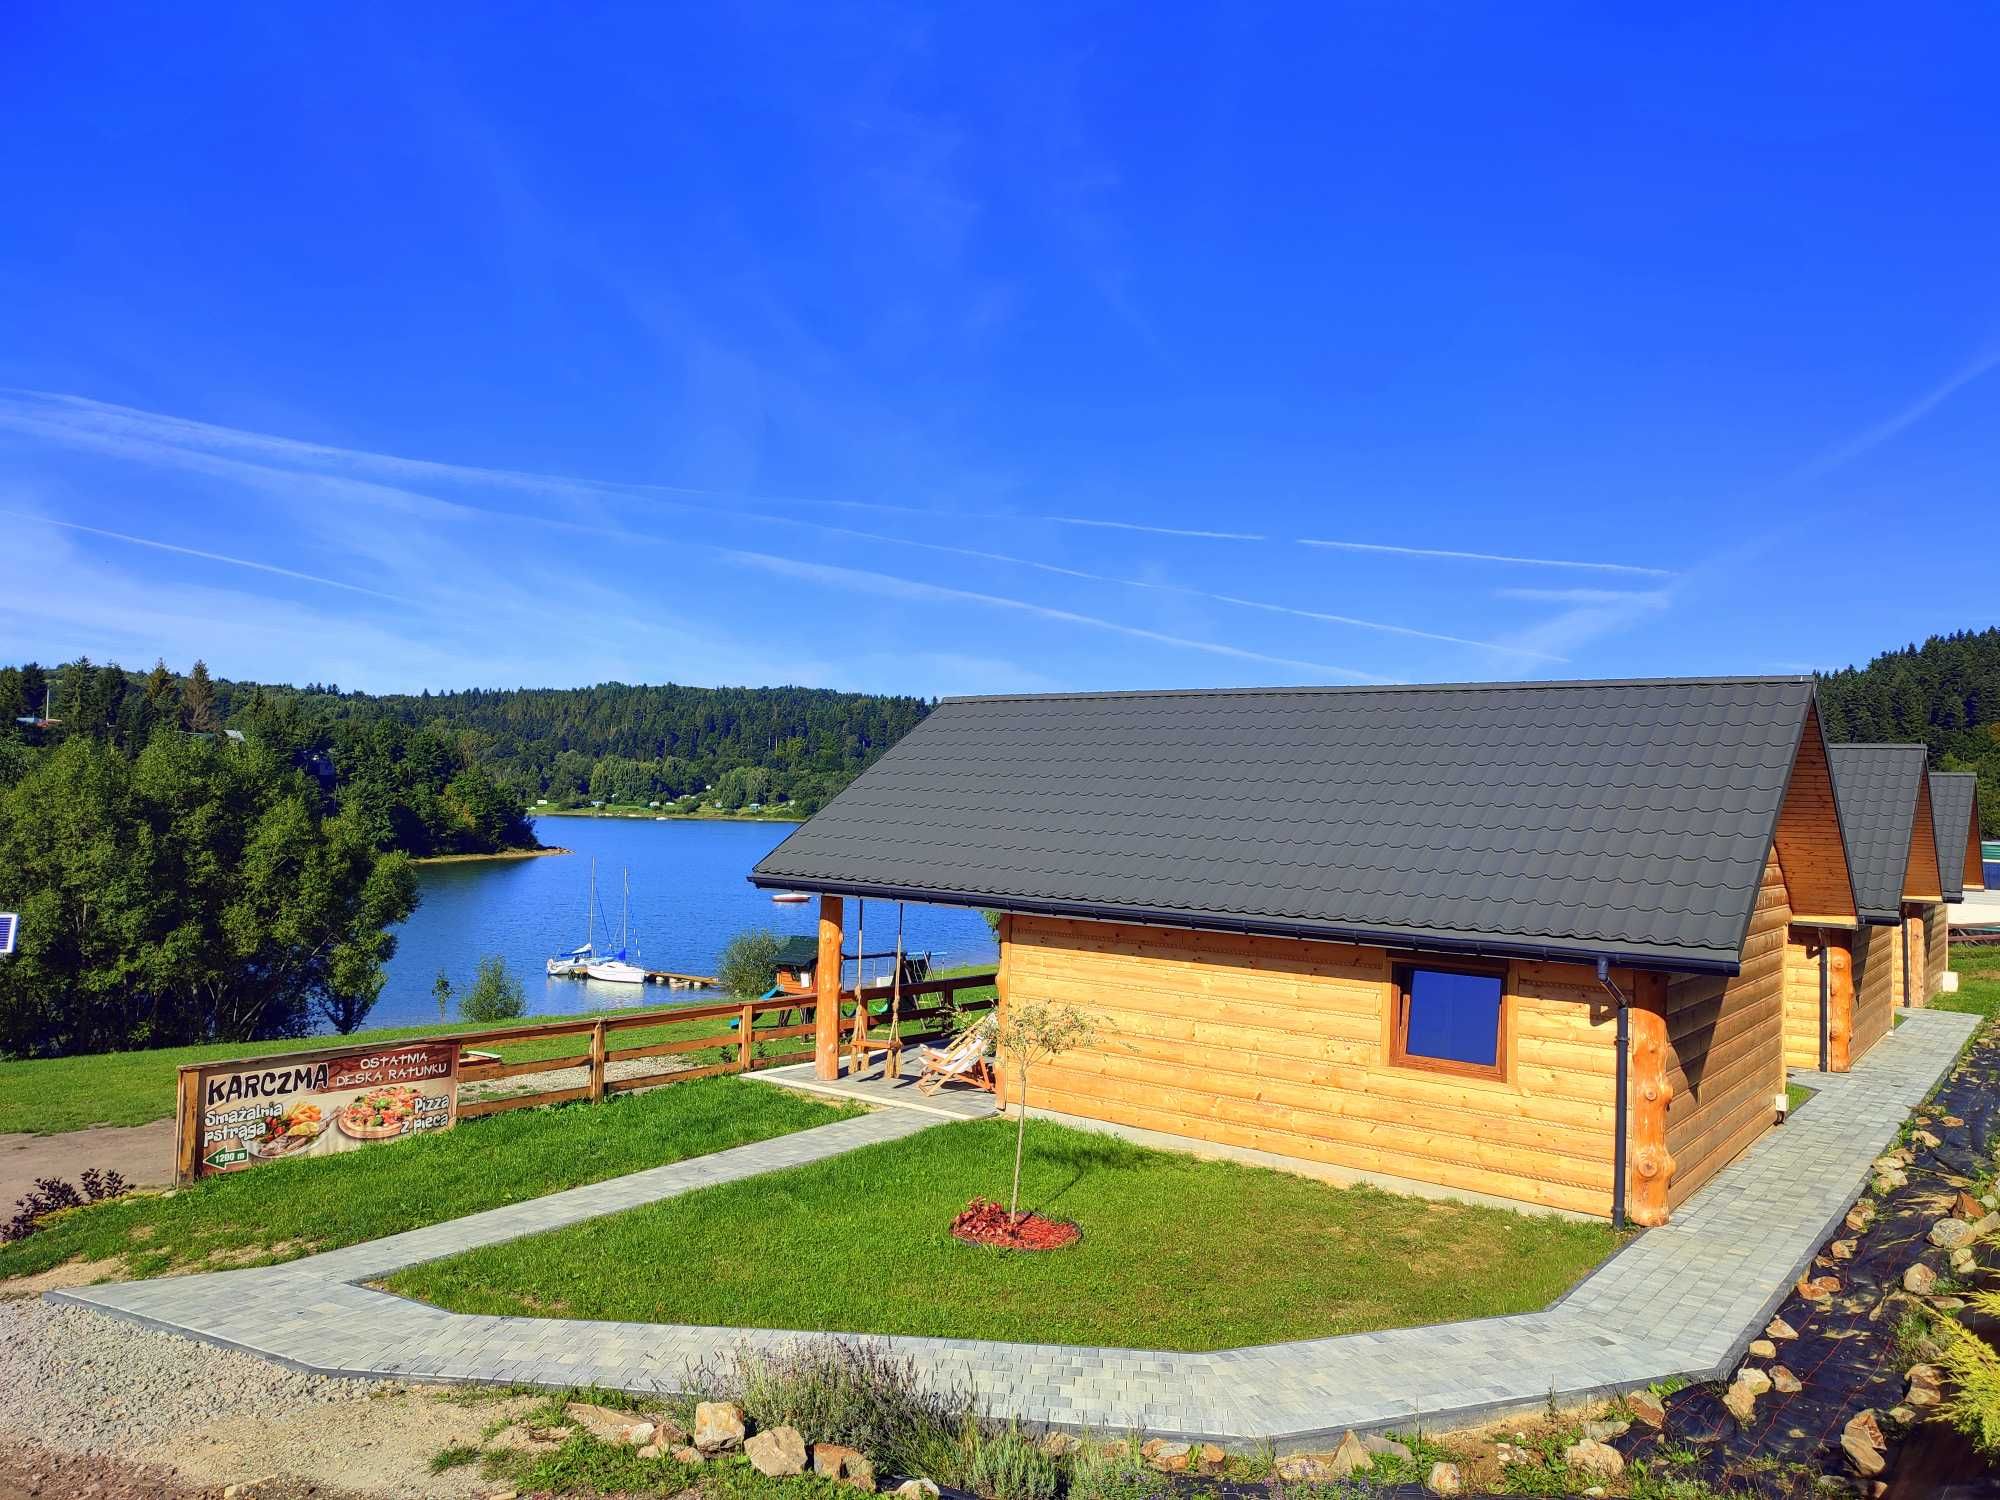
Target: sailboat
575 961
617 970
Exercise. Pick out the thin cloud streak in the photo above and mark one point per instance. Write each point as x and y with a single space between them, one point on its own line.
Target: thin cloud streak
1491 557
1870 438
866 581
219 557
1585 596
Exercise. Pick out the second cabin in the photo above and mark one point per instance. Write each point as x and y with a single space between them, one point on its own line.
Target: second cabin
1527 941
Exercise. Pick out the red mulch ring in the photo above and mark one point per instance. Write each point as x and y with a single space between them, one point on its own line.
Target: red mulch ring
985 1222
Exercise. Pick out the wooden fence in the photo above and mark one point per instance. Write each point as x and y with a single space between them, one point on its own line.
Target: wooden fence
740 1038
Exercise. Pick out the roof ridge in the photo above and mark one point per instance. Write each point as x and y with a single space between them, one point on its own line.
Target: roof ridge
1349 689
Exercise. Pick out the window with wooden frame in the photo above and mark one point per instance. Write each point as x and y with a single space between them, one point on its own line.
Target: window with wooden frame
1450 1018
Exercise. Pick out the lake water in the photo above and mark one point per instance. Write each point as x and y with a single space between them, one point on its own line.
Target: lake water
689 898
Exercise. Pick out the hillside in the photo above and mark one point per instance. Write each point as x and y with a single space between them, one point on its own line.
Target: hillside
1945 693
728 748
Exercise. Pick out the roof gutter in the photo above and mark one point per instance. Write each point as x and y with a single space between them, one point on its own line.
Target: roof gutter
1373 937
1620 1128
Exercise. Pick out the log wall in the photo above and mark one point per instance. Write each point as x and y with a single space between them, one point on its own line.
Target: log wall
1802 998
1726 1049
1937 948
1877 977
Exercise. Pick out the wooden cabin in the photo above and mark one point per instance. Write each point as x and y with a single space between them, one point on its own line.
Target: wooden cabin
1524 940
1955 814
1842 986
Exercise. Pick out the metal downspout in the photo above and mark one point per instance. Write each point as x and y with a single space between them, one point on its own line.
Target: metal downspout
1825 1003
1618 1132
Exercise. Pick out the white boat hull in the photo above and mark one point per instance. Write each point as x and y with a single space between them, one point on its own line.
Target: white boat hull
613 972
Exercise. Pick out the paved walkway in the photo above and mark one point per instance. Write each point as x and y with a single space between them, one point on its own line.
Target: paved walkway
1682 1300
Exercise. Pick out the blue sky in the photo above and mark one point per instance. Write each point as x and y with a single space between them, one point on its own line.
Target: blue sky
996 348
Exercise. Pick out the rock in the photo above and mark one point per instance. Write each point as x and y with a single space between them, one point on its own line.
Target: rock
718 1426
1963 1261
651 1450
916 1489
1507 1455
1951 1122
1595 1491
1866 1461
1924 1375
1606 1430
1842 1249
1919 1279
521 1440
1926 1139
1304 1468
778 1452
1060 1444
1952 1305
1949 1234
1168 1458
1647 1407
1819 1288
1741 1401
1351 1457
1377 1446
1860 1217
1784 1382
1599 1460
1986 1225
1753 1380
1763 1349
247 1488
1444 1479
838 1461
1968 1208
687 1453
640 1435
1778 1328
1864 1426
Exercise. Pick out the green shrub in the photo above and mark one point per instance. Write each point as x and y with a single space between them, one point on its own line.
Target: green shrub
1008 1465
858 1394
748 963
496 995
1109 1471
1974 1369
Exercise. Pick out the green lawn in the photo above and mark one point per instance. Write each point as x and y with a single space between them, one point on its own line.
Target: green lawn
46 1096
1978 982
1176 1254
290 1208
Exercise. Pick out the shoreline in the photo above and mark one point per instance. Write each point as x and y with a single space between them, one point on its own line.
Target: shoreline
460 859
645 815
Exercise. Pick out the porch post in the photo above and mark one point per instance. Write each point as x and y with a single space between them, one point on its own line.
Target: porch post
826 987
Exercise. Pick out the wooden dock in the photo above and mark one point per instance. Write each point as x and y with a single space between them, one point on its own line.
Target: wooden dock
675 981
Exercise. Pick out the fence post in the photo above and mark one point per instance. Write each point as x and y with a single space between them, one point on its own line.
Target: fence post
597 1061
745 1042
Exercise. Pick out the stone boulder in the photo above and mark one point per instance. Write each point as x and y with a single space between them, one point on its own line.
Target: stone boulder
1168 1458
916 1489
718 1426
1949 1234
1779 1329
1351 1457
1378 1446
1444 1479
1762 1349
1741 1402
849 1465
606 1425
1784 1382
779 1452
1919 1279
1647 1408
1753 1380
1599 1460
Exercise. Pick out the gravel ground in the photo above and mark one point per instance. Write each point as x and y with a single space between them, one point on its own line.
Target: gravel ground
78 1382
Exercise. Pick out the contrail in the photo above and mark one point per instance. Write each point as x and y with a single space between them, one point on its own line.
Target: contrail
1873 437
867 581
1492 557
220 557
1584 596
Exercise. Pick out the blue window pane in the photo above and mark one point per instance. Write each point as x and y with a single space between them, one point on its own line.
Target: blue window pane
1454 1017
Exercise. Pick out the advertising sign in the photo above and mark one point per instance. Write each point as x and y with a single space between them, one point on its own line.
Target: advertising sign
313 1104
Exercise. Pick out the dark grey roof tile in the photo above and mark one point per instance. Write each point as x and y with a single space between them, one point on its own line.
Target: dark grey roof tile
1877 787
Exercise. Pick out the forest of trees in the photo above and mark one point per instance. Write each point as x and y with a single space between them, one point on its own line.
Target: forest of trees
726 747
1945 693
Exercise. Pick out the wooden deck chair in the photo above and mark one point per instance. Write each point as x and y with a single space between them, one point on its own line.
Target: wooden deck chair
965 1060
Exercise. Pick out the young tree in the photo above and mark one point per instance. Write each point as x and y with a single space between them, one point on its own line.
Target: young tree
1031 1032
496 995
441 992
748 963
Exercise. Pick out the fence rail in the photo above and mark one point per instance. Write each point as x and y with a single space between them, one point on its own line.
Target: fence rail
746 1035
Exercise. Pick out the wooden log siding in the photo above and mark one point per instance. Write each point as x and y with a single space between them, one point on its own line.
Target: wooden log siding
1937 948
1280 1045
1877 962
1802 1012
1726 1049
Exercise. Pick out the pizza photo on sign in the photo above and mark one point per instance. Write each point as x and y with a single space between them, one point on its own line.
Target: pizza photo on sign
381 1113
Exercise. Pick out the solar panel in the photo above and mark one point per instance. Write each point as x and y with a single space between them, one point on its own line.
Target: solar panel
9 926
